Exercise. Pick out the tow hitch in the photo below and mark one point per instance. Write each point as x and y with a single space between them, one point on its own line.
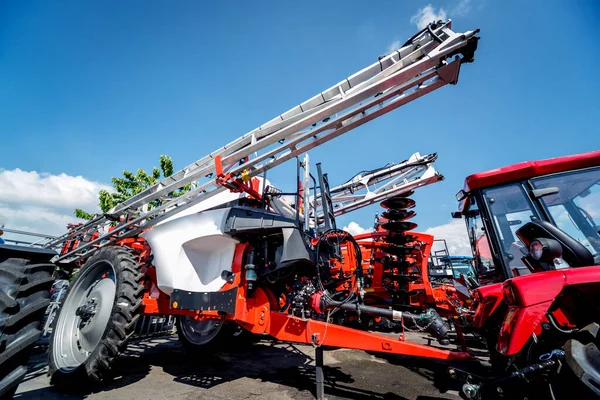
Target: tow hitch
475 386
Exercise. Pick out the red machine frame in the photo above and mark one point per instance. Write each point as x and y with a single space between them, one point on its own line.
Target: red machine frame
259 313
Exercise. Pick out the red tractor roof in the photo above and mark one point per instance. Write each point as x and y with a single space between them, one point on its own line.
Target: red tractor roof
530 169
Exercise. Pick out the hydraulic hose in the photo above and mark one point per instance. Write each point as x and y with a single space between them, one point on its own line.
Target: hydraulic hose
554 324
431 321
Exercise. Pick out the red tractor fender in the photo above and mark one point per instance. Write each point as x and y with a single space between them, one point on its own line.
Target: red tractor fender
529 297
486 299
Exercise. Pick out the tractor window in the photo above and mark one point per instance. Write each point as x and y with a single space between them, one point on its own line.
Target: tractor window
575 209
479 241
510 208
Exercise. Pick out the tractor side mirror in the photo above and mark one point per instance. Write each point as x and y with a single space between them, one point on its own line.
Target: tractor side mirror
461 195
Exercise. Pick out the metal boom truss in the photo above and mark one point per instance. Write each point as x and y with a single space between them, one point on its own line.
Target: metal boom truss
429 60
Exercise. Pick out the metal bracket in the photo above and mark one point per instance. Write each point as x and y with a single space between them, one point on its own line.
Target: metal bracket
204 301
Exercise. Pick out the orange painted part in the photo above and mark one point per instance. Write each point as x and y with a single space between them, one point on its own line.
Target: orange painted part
239 278
161 306
346 268
424 285
292 329
373 244
444 297
72 244
255 315
218 166
301 197
234 184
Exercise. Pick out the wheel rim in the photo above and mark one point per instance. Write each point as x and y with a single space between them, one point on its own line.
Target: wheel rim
200 332
85 316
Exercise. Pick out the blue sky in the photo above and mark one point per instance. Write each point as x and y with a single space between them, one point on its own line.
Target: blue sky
89 89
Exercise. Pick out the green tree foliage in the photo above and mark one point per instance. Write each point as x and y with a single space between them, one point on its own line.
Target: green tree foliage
131 184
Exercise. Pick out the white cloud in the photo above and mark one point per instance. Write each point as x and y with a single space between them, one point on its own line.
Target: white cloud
55 191
395 45
355 229
455 233
44 203
428 14
462 8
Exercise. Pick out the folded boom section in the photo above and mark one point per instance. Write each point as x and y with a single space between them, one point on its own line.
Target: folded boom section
430 60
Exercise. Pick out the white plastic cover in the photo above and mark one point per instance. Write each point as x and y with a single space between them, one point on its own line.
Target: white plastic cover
190 252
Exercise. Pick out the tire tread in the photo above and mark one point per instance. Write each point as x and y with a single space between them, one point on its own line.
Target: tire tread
128 299
24 296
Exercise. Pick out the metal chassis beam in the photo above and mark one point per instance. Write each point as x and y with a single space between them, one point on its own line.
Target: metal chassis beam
255 314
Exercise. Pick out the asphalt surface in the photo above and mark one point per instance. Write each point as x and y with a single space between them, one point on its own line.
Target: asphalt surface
159 368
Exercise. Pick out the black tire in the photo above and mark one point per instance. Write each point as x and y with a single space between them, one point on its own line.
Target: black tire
230 337
242 338
24 296
118 329
581 371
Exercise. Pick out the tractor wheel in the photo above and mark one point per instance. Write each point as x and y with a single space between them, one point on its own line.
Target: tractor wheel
581 369
96 318
24 296
210 336
200 336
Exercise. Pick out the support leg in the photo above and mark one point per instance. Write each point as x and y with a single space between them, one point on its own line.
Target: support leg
320 377
460 335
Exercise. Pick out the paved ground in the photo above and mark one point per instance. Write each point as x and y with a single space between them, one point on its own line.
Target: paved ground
159 369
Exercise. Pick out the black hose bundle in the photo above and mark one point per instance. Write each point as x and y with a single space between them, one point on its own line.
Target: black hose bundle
341 236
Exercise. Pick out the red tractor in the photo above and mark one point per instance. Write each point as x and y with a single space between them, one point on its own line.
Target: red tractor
534 231
532 227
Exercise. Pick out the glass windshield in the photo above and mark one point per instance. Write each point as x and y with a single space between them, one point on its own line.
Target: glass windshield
510 209
462 267
575 209
479 241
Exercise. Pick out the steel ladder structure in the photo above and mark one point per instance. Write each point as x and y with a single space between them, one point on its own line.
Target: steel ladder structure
429 60
374 186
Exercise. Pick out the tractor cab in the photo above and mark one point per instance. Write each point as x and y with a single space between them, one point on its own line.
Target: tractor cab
564 192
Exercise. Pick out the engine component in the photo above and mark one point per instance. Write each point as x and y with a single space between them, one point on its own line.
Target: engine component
250 270
302 298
